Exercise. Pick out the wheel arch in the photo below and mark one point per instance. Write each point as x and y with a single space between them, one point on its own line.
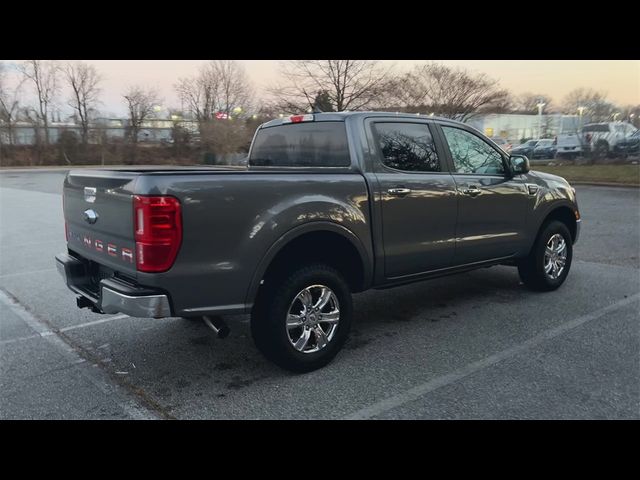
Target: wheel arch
324 238
565 213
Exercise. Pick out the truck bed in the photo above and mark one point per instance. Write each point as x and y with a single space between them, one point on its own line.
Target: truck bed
231 217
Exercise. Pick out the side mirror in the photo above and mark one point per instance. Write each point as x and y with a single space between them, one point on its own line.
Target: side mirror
519 164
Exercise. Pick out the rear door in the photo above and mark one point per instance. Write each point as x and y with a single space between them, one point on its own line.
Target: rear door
492 206
98 212
416 194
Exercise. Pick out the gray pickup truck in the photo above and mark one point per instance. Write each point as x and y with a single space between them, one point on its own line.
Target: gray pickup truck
329 204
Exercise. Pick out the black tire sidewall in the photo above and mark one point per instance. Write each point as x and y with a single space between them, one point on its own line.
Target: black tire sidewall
269 320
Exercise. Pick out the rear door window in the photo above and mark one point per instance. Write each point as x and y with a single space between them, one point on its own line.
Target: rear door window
407 146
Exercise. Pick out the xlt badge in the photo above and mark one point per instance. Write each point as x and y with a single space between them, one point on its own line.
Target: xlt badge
90 194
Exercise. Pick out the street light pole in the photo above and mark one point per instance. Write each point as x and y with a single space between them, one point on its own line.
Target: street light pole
580 111
540 107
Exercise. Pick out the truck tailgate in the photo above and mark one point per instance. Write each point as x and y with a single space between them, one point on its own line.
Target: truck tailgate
98 210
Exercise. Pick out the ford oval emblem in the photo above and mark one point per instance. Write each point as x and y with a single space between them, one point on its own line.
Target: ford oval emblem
90 216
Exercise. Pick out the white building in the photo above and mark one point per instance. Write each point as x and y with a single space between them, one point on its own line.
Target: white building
515 127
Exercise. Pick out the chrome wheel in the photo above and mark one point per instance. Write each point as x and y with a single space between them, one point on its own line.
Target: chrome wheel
555 256
312 318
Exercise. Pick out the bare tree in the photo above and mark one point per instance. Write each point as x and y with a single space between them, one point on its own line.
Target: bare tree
593 105
631 114
343 84
43 75
449 92
528 102
220 87
9 103
140 103
84 81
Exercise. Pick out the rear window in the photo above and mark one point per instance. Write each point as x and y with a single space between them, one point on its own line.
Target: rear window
309 144
595 128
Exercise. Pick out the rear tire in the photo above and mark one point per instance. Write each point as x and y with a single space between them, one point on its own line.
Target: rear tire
547 265
284 324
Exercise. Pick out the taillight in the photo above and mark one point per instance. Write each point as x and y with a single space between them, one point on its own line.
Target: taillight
298 118
157 231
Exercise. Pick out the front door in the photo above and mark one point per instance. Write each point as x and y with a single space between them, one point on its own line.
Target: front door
492 205
417 196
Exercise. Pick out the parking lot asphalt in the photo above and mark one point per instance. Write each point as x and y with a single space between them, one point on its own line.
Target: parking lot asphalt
476 345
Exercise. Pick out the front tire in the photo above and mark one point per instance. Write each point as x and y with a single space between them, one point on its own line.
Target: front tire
301 322
547 265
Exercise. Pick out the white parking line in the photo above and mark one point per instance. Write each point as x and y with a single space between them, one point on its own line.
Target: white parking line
95 376
65 329
26 272
94 322
416 392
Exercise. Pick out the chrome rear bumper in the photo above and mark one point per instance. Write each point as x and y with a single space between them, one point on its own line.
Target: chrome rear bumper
145 306
110 295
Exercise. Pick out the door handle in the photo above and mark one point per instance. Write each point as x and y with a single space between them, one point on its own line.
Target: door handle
472 191
399 191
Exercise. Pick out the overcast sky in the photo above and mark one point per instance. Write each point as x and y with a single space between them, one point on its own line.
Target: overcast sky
620 79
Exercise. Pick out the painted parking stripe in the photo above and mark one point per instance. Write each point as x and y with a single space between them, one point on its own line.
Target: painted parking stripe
416 392
65 329
94 322
26 272
95 376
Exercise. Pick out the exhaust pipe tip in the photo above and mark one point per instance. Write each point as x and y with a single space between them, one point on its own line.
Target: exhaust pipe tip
218 325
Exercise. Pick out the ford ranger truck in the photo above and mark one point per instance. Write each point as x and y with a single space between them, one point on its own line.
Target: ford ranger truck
329 204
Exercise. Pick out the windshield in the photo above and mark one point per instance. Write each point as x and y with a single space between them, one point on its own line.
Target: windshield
544 143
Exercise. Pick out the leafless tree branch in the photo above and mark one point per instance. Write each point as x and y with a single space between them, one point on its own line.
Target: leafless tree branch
9 103
84 80
140 102
43 74
348 84
448 92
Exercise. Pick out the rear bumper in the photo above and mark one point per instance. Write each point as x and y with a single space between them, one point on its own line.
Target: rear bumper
111 295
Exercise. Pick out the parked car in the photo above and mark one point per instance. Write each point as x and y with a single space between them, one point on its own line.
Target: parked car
525 148
545 148
502 143
631 145
568 145
603 139
330 204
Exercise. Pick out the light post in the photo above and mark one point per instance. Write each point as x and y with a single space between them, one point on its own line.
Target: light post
540 106
580 111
